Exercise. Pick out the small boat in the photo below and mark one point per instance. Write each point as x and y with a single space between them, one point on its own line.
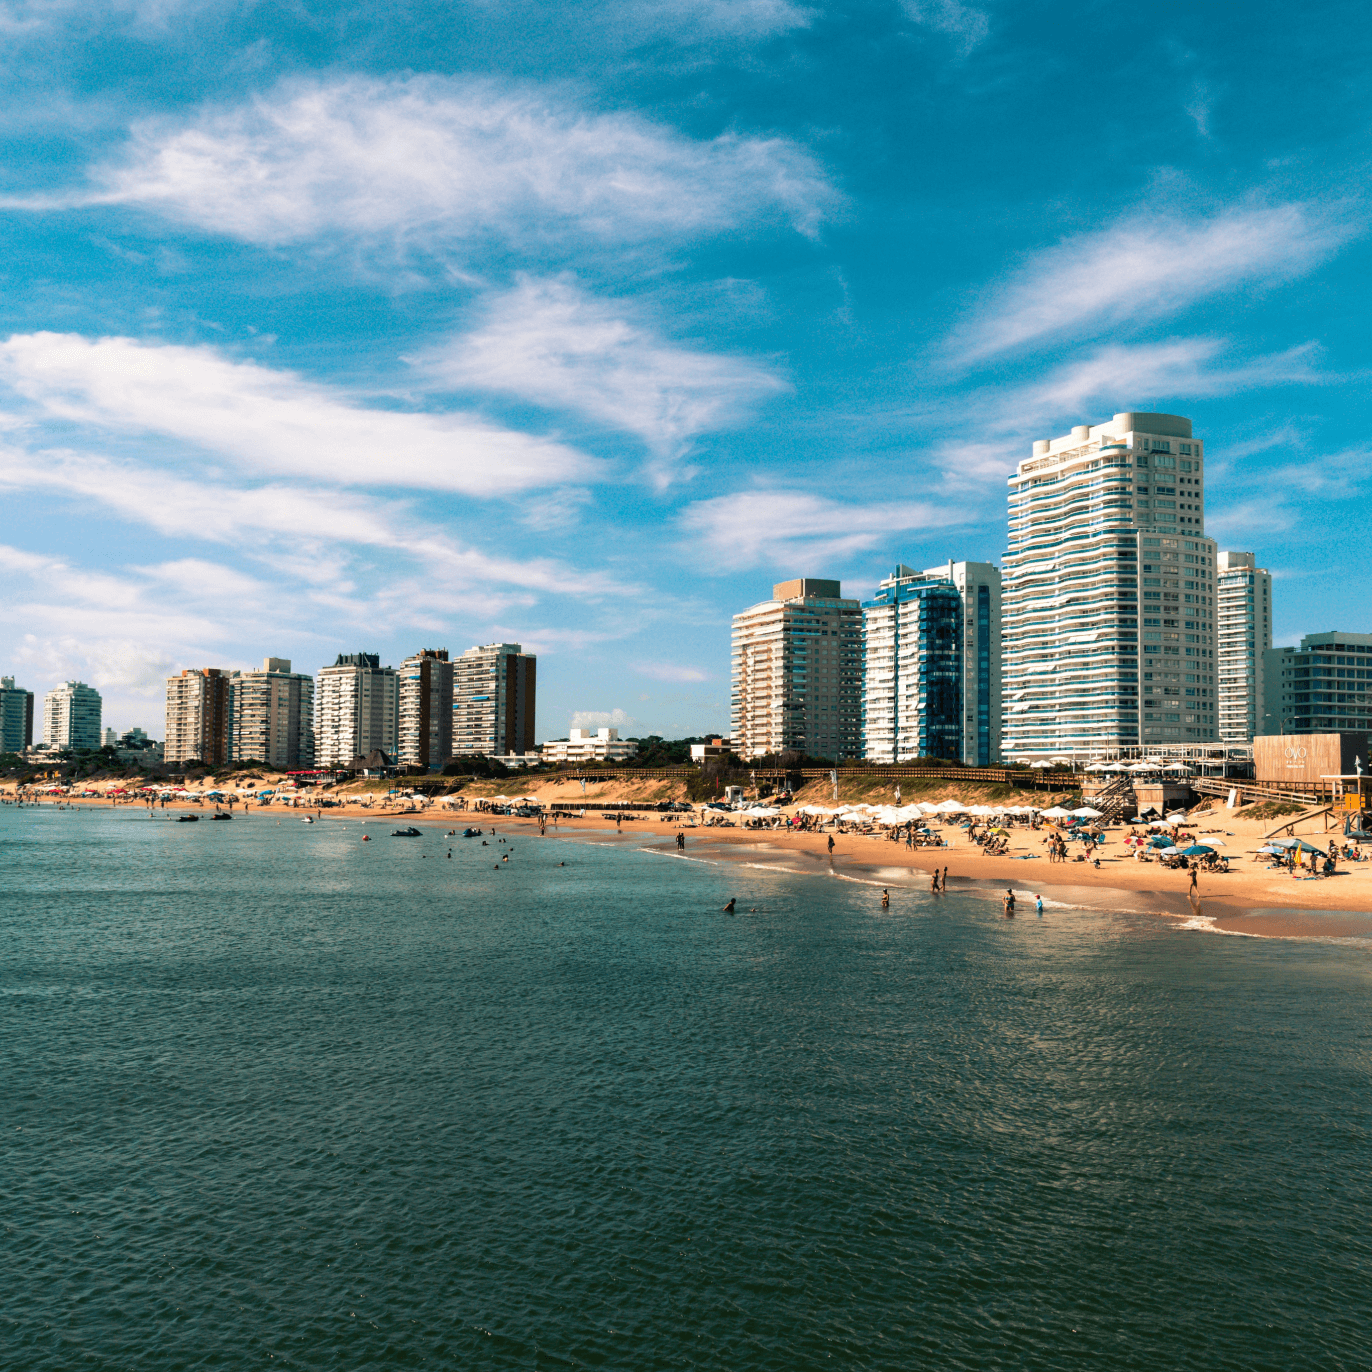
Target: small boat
220 814
411 832
307 819
471 833
188 819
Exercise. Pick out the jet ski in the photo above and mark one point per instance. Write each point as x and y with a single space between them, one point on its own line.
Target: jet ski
411 832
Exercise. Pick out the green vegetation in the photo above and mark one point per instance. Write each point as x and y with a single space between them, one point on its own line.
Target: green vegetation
1271 809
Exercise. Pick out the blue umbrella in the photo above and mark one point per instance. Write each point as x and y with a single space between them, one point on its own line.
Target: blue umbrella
1161 841
1196 850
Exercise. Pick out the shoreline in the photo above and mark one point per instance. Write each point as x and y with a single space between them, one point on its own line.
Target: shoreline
1257 902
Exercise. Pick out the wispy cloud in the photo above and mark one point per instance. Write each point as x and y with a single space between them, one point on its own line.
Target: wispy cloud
1147 267
274 422
795 532
670 671
1135 377
427 160
713 18
551 343
964 24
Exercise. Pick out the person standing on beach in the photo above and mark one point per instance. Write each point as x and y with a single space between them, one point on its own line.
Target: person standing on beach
1194 883
831 843
943 881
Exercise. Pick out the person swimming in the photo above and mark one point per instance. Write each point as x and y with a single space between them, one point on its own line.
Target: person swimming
729 909
1009 902
885 898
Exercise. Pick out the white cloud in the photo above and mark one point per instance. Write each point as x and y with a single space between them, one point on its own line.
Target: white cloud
715 18
965 25
1146 267
796 532
273 422
670 671
600 719
549 342
437 160
1147 376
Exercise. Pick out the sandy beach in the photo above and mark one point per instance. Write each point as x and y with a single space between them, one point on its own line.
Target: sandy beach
1252 898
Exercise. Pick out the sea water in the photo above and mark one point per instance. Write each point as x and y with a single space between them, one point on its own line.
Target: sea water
273 1096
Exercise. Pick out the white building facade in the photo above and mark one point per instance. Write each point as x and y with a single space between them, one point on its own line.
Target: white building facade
494 699
71 717
356 710
797 673
1244 594
273 716
1109 613
586 745
1321 686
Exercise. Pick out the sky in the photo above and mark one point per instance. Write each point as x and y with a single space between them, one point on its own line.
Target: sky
336 328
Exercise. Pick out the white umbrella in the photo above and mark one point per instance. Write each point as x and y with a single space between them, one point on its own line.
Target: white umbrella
1178 767
925 808
762 812
1086 812
817 810
1144 767
1179 817
1161 823
952 807
1057 812
981 810
1041 763
1097 766
1117 767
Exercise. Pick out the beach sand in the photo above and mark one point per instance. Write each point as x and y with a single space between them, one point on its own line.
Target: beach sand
1251 898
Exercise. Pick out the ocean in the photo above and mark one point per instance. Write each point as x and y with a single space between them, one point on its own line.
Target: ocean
273 1096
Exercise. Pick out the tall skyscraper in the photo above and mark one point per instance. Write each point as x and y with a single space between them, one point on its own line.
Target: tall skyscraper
273 716
1109 610
978 583
426 709
16 717
1245 634
797 673
494 698
71 717
356 710
912 638
199 717
1324 685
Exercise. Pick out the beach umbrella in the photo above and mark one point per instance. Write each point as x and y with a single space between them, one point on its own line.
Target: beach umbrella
1197 850
762 812
1161 841
1041 763
1097 766
951 807
1177 817
1144 767
1086 812
1178 767
981 810
1057 812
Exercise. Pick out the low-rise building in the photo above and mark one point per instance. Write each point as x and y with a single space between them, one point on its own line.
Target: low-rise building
715 747
583 745
16 717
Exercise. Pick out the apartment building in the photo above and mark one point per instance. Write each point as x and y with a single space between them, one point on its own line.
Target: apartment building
797 673
589 745
273 716
199 717
912 640
1244 596
1109 591
494 699
426 709
979 585
71 717
356 710
1321 686
16 717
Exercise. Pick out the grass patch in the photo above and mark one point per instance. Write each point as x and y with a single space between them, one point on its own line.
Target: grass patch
1271 809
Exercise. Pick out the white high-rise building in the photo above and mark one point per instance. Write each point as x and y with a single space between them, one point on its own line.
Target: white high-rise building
797 673
71 717
356 710
1245 634
1109 595
273 716
494 699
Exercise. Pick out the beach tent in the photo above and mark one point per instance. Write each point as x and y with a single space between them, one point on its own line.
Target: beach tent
1086 812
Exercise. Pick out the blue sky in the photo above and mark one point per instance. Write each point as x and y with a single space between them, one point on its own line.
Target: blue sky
330 328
